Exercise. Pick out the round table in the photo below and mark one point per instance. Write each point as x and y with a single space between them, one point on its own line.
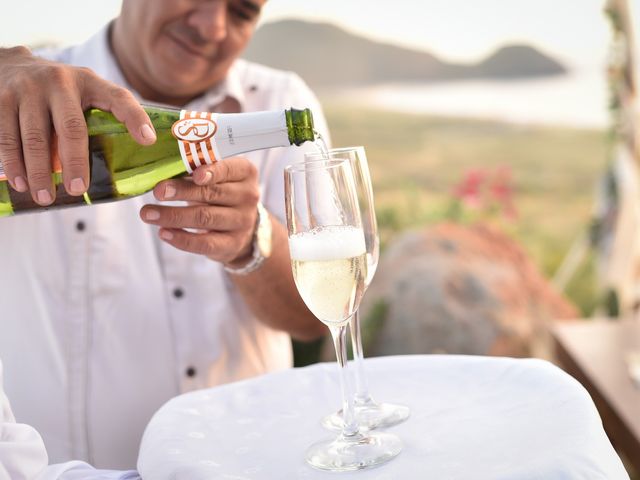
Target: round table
471 418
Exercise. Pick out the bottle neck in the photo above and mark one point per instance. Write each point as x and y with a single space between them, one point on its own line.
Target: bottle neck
300 126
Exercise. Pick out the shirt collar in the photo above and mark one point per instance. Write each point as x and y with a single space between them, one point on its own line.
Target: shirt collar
231 86
96 54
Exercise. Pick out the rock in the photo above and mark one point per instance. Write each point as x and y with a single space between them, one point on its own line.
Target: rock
459 289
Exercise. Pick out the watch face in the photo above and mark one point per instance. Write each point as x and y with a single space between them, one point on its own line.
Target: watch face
264 242
263 235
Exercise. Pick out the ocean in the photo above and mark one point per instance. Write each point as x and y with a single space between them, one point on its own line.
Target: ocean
577 99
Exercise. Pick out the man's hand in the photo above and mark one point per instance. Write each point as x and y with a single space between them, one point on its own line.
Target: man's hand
39 97
223 200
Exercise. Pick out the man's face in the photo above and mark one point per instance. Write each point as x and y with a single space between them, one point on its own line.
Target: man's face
179 48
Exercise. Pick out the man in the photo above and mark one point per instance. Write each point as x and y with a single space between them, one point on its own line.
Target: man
109 311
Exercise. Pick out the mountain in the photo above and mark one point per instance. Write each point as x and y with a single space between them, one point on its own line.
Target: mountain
518 61
327 56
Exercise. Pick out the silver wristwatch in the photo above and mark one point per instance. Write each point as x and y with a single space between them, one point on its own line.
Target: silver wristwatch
261 244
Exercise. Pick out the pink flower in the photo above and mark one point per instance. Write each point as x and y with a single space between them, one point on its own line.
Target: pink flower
469 190
488 191
501 191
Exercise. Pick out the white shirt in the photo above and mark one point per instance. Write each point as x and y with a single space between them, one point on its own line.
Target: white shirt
22 452
23 455
102 323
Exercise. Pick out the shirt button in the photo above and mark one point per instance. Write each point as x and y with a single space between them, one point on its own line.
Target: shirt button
80 226
178 292
191 372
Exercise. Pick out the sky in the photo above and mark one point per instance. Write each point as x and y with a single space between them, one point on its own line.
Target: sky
575 31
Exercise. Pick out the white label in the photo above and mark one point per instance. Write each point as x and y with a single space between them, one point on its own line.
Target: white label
204 138
244 132
2 175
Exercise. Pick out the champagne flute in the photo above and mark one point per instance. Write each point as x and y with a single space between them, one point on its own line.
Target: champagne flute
370 414
328 257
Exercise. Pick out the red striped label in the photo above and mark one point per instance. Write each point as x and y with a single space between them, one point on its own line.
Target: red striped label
195 132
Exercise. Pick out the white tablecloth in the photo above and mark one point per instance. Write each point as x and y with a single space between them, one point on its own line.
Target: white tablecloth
472 418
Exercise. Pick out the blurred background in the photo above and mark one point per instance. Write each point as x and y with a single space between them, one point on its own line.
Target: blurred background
446 95
501 147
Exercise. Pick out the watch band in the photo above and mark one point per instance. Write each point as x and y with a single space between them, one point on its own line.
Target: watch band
257 257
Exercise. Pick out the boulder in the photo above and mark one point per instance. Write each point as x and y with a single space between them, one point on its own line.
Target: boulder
460 289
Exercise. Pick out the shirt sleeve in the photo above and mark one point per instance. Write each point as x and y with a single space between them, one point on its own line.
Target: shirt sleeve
83 471
23 455
22 451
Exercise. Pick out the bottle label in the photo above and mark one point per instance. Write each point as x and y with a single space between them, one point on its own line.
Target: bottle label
195 133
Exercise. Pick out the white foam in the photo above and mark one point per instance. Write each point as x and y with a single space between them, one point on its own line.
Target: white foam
327 243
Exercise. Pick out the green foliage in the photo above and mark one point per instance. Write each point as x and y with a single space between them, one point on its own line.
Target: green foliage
307 353
583 287
611 303
417 160
373 324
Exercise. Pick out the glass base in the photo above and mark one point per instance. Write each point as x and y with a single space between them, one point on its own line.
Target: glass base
370 415
354 453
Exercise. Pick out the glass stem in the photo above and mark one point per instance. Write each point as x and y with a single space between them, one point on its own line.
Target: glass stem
362 386
339 335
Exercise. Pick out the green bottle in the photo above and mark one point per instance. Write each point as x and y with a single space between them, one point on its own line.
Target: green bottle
121 168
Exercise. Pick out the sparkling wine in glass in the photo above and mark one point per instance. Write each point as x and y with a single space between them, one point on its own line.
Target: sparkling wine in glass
370 414
329 264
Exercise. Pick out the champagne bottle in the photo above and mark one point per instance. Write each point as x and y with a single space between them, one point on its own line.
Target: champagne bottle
121 168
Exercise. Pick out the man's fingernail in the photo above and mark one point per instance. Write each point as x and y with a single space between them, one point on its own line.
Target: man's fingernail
151 214
20 184
147 132
207 177
44 197
166 235
169 191
77 186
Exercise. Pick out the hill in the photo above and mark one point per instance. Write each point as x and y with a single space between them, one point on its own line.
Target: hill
327 56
